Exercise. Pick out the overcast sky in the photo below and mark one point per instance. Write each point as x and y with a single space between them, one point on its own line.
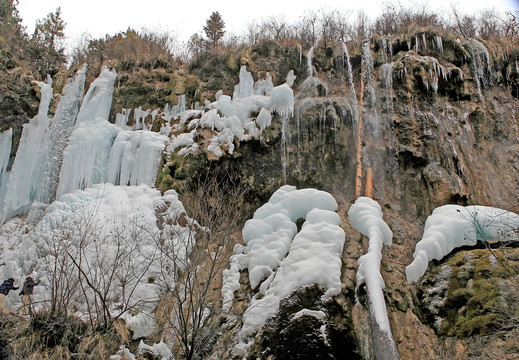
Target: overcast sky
184 18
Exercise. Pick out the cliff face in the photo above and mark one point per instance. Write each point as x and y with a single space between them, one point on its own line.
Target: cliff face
440 127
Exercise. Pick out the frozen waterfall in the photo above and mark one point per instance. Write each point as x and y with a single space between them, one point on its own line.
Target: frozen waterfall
76 149
58 136
24 177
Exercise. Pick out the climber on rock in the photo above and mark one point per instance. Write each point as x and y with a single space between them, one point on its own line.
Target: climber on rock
6 286
26 294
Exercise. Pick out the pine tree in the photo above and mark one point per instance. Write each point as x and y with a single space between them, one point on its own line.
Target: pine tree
11 29
214 28
47 51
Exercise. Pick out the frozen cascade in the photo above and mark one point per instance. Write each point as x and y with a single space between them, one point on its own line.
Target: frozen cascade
86 156
309 65
350 72
58 136
98 99
481 64
279 260
387 81
365 215
135 157
367 74
24 177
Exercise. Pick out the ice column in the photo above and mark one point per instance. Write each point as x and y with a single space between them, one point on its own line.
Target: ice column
245 87
135 157
350 73
58 137
86 156
309 65
5 152
25 175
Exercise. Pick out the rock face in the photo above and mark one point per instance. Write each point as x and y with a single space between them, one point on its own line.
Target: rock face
440 127
18 103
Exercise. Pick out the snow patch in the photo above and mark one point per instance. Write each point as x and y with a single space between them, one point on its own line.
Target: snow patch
452 226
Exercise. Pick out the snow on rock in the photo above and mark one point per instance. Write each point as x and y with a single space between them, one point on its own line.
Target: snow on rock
365 216
452 226
158 349
319 314
233 117
181 141
264 119
314 254
282 100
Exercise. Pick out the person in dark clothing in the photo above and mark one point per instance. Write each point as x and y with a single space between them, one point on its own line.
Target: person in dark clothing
26 294
6 286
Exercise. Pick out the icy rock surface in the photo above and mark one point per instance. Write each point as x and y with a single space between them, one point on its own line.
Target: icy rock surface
452 226
280 260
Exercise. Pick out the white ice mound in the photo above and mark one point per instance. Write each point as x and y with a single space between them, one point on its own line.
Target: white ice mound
282 100
452 226
365 216
280 260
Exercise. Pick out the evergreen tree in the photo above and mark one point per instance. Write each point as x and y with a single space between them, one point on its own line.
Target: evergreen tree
11 29
47 51
214 28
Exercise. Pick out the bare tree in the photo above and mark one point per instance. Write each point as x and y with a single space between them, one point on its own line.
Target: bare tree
95 268
193 256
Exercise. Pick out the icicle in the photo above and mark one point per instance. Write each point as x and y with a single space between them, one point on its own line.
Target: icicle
350 72
309 62
98 99
424 43
121 119
139 117
417 45
5 151
439 43
367 74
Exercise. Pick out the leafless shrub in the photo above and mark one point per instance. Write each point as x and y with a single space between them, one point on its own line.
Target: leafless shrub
192 268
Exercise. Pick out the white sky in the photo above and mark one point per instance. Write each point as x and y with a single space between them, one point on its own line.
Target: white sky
184 18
